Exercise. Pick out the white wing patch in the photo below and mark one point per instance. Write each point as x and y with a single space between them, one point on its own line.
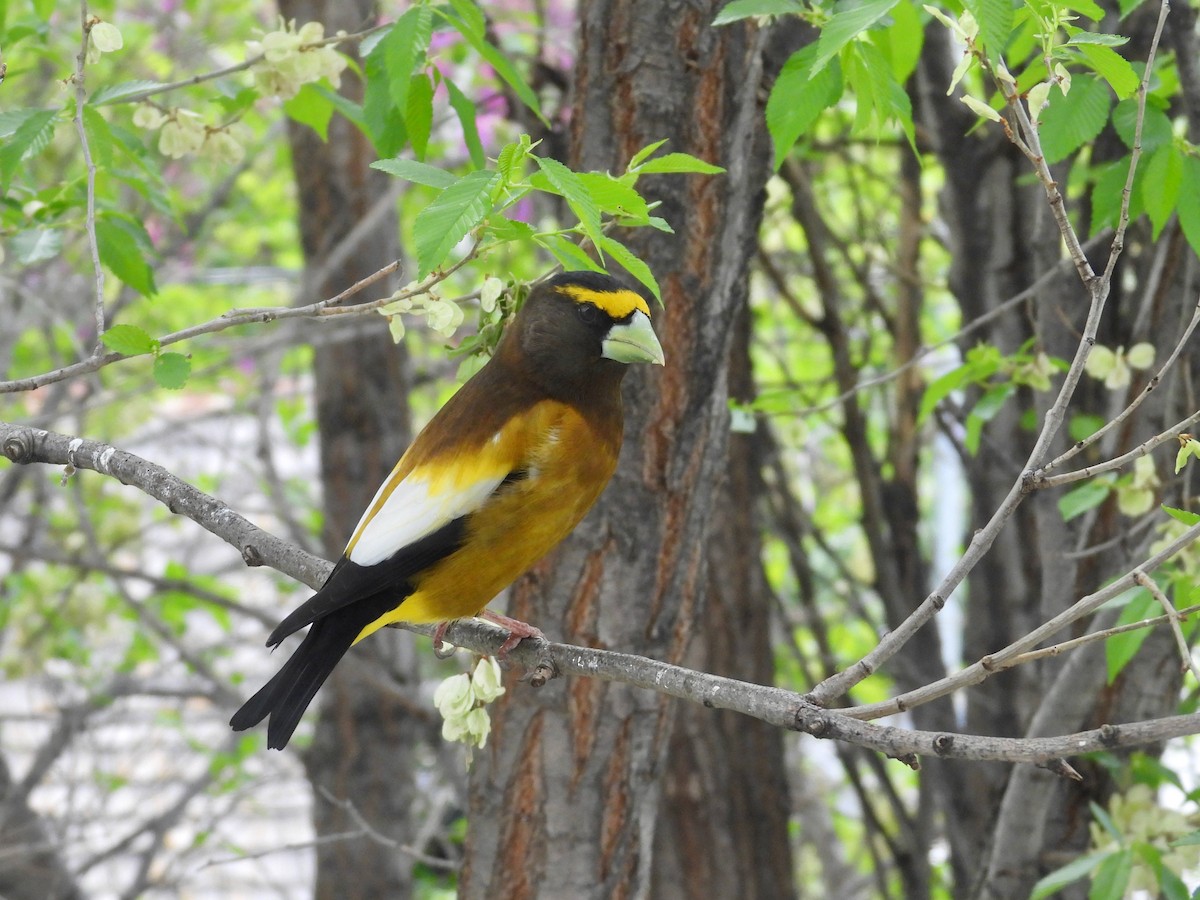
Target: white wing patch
415 508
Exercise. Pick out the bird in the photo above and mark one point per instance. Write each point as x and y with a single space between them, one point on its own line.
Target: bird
500 475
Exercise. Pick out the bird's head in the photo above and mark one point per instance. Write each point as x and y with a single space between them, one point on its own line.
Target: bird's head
583 326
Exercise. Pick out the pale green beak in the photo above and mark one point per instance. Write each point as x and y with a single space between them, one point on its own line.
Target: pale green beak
633 341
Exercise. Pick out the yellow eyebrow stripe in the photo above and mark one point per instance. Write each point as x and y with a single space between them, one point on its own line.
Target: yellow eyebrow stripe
617 304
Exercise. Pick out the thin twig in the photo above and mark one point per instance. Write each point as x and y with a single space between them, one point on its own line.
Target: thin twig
80 100
1173 617
1041 480
1090 638
247 63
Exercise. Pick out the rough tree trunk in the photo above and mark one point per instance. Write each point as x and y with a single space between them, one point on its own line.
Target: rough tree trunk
365 732
564 799
723 824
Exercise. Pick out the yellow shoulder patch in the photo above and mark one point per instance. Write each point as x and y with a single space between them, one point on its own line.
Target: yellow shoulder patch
617 304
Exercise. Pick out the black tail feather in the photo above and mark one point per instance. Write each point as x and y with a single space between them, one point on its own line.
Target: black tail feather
286 696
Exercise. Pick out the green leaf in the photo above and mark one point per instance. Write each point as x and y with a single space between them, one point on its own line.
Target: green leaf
902 42
448 219
404 50
1161 186
1070 122
1121 648
503 230
1128 6
1182 515
1156 126
12 119
1112 876
995 18
470 29
1095 37
644 154
128 340
36 245
1107 195
1191 839
881 97
736 10
383 121
567 184
1078 500
797 98
614 197
1112 67
416 172
29 139
984 411
465 110
124 246
678 162
418 114
171 370
1068 874
115 93
352 111
850 19
99 137
471 16
568 254
628 261
1189 201
311 107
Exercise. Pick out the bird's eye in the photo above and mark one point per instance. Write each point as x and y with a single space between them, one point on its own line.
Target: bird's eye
588 313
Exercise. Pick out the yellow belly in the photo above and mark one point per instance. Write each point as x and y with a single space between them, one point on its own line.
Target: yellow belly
517 526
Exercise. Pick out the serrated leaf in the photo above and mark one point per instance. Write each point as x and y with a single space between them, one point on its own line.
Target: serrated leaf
498 61
1112 876
1160 187
568 254
347 107
1068 874
1182 515
471 16
631 263
1070 122
99 137
850 19
1156 126
680 163
124 246
736 10
614 197
567 184
645 153
1119 649
1112 67
1107 195
798 97
115 93
465 110
311 107
995 18
1087 496
128 340
382 121
29 139
418 114
404 49
1189 202
503 230
416 172
902 42
171 370
1128 6
1095 37
454 212
12 119
36 245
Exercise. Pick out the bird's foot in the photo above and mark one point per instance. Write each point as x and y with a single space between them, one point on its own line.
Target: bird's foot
439 634
517 631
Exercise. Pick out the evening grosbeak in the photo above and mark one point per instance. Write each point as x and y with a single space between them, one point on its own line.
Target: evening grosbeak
502 473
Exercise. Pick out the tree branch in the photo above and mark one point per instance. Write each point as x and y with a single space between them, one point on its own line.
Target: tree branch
545 660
